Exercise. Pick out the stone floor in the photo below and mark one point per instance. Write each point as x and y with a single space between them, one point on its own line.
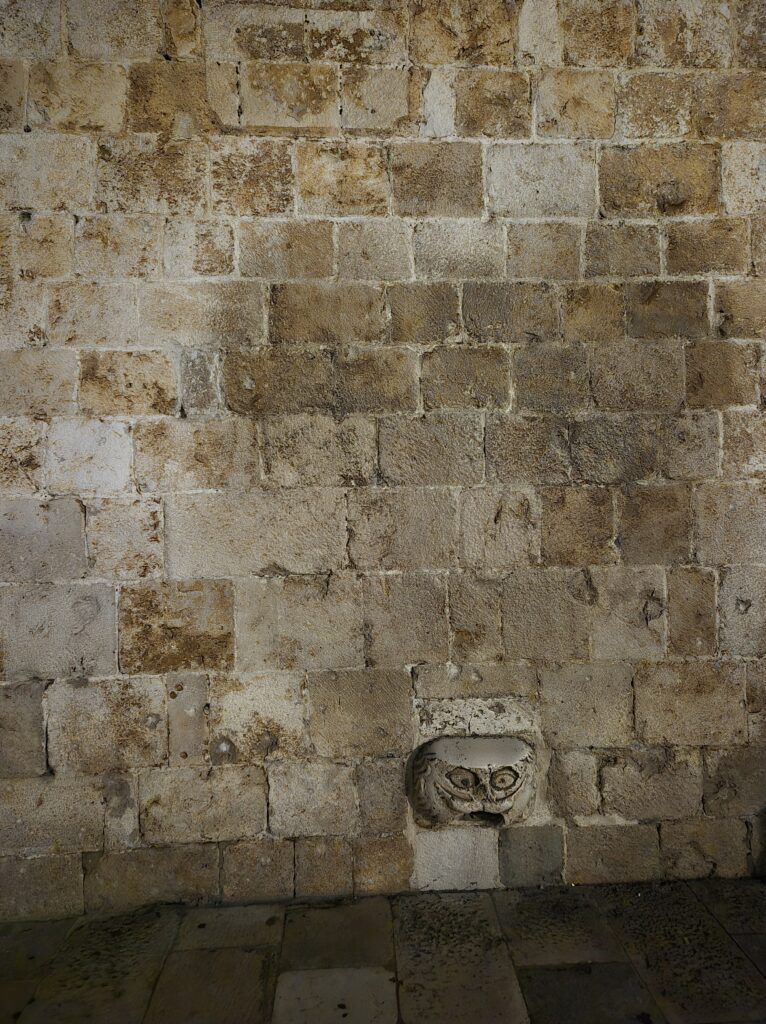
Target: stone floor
679 953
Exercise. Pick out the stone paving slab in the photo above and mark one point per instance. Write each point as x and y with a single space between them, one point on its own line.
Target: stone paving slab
345 995
588 994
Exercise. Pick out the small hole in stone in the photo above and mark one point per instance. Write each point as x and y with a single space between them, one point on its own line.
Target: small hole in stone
485 818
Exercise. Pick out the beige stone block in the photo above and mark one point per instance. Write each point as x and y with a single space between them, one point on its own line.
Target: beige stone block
181 455
438 103
318 450
124 538
13 84
21 455
198 247
257 870
250 177
629 613
30 30
742 610
449 249
587 705
88 456
181 22
437 179
120 882
465 378
441 448
223 94
708 247
691 611
456 858
756 700
667 309
405 619
23 728
168 627
41 541
499 527
280 250
82 313
370 380
493 103
546 614
235 31
308 798
541 180
271 382
758 243
51 815
483 33
510 313
691 703
40 887
740 308
654 524
531 855
539 35
549 250
624 250
380 99
575 104
341 178
70 96
254 716
192 805
362 713
658 782
551 378
299 622
326 314
323 867
722 373
296 96
114 725
374 250
149 174
684 32
750 45
573 783
357 36
117 247
52 631
612 853
402 528
704 848
38 245
383 804
127 384
671 179
168 97
594 312
467 716
744 444
577 526
475 636
204 313
423 314
382 864
655 104
188 713
596 33
198 375
37 382
527 449
300 531
730 522
114 29
744 177
734 780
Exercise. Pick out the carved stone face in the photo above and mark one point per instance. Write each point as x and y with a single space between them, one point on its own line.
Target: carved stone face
485 779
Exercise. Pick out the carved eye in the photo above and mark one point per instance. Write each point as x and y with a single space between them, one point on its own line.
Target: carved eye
504 778
461 778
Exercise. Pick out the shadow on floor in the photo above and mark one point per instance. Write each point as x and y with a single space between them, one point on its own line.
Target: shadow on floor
681 953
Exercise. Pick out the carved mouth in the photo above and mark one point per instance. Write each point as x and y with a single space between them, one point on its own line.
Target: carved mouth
486 818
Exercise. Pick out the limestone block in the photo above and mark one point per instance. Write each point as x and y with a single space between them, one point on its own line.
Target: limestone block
51 815
38 382
382 799
593 32
627 250
730 519
382 864
437 179
91 313
120 882
551 378
744 177
312 798
114 29
203 314
149 174
402 528
318 450
455 858
527 449
404 619
680 32
475 631
423 314
127 384
734 780
193 247
278 250
577 526
235 31
587 705
116 246
71 96
740 309
23 729
451 249
541 181
256 715
361 713
40 245
13 83
655 524
547 250
374 249
691 703
41 542
30 30
511 313
691 611
492 103
613 853
290 95
357 36
465 378
655 104
531 855
89 456
441 448
40 887
575 104
198 374
250 177
720 374
573 783
704 847
268 382
645 785
168 97
546 614
257 870
326 314
124 538
483 33
380 99
741 609
654 179
206 454
348 178
323 867
188 712
499 527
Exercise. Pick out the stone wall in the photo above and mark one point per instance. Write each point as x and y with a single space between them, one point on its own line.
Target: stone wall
371 372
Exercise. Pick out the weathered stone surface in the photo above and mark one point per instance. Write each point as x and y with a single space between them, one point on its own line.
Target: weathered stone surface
743 444
46 171
706 247
127 383
680 33
701 847
120 882
655 524
323 867
541 181
318 450
741 608
211 453
655 104
457 858
188 711
577 526
37 383
743 178
41 542
380 99
691 611
573 783
670 179
404 619
740 309
449 249
165 627
377 249
198 247
691 703
146 174
22 728
499 527
441 448
77 96
124 538
612 853
423 314
528 449
481 34
440 179
258 869
729 517
51 815
382 864
294 96
734 780
719 374
516 313
113 30
588 706
41 887
382 800
547 250
326 314
203 314
393 528
660 309
360 713
250 177
12 89
531 855
575 104
493 103
646 785
596 33
551 378
311 798
341 178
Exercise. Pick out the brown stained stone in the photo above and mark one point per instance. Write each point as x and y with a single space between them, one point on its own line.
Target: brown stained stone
323 867
361 713
383 804
493 103
45 815
707 247
551 379
734 780
758 242
475 632
722 373
382 864
370 380
267 382
168 97
541 180
181 23
573 783
650 784
255 715
437 179
499 527
356 36
318 450
751 48
594 313
23 729
575 104
40 887
401 528
116 247
597 33
341 178
165 627
577 526
741 611
441 448
37 246
740 309
423 314
655 104
113 30
377 249
744 443
123 881
465 378
730 518
127 383
546 614
250 177
704 847
674 32
259 869
549 250
326 314
380 99
691 703
643 375
12 90
211 453
510 313
731 105
144 174
666 309
277 250
21 455
482 33
654 524
651 179
77 97
527 449
691 611
290 96
457 249
263 32
203 247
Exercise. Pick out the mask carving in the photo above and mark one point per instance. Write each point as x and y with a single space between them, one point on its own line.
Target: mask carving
485 779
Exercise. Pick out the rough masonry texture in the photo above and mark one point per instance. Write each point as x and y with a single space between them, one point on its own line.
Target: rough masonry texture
370 372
